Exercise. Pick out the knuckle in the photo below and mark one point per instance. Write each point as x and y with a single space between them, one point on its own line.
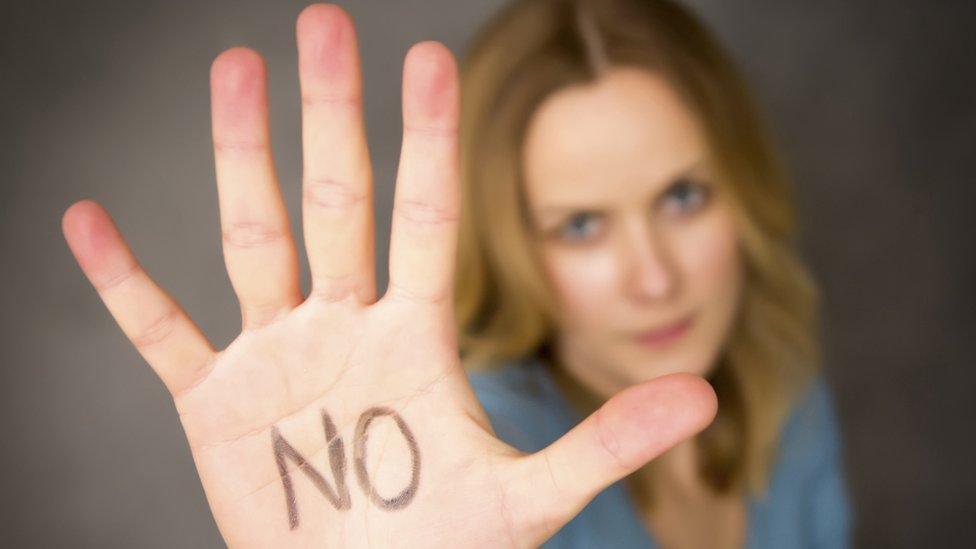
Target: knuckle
400 292
199 374
239 145
417 212
432 132
156 331
251 235
348 100
332 289
327 193
258 315
116 279
608 440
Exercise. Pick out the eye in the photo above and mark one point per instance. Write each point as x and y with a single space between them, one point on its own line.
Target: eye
685 197
580 227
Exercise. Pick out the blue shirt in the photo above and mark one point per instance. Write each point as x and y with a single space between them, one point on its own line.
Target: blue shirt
806 504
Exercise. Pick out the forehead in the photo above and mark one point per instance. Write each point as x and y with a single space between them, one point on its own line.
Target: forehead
624 134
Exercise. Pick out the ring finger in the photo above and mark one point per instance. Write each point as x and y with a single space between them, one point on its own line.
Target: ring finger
337 205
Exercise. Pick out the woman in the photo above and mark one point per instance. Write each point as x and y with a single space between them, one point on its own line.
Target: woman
341 419
625 218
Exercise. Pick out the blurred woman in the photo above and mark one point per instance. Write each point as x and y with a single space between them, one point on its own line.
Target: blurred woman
625 217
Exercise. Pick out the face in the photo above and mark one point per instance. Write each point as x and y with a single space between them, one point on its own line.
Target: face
636 235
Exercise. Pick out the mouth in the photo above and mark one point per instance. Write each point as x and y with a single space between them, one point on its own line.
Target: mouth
665 335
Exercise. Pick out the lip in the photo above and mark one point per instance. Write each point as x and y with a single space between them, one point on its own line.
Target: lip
665 335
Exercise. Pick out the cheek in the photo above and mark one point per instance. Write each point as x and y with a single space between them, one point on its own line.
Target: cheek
709 256
584 281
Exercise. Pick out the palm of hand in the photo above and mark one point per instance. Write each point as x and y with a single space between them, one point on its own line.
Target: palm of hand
341 361
336 418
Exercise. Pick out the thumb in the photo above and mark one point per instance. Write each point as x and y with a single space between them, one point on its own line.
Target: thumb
635 426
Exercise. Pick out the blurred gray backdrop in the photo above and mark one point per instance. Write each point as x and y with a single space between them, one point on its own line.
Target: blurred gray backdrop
872 102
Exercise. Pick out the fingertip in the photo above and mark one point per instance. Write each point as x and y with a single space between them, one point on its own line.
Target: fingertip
430 60
430 80
239 99
320 15
696 394
652 416
326 43
70 216
708 401
428 49
78 219
236 67
93 239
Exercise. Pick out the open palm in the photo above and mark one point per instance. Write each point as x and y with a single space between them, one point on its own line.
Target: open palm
338 419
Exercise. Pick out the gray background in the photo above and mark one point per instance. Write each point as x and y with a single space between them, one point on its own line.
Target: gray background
109 100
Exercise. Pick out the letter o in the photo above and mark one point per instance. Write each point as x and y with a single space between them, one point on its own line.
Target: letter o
359 459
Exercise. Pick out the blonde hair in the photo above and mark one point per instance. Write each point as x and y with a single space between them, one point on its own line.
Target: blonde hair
505 306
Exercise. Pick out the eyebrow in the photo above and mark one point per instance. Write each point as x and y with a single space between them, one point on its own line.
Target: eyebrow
563 208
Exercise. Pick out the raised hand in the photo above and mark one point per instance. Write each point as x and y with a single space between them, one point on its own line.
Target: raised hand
338 419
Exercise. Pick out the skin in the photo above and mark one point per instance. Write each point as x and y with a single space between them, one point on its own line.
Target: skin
341 351
636 234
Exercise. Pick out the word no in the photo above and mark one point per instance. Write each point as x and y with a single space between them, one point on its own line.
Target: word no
339 496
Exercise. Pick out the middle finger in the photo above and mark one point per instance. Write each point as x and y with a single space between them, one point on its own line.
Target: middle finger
337 201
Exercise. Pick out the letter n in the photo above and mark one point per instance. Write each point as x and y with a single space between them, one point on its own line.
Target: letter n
337 459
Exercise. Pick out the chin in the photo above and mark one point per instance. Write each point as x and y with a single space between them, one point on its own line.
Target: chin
642 368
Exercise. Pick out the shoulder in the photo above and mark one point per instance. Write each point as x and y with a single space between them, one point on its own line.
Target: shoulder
522 403
806 503
811 434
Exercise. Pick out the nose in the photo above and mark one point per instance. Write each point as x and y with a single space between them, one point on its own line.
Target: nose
649 272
